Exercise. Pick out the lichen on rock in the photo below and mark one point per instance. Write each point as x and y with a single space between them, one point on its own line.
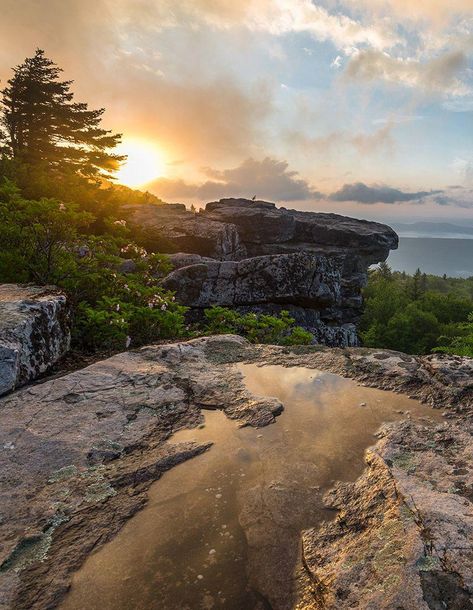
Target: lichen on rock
34 332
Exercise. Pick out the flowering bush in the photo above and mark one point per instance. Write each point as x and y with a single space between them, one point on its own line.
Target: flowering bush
117 310
112 283
114 324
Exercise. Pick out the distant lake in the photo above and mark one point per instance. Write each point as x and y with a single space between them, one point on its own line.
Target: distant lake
433 255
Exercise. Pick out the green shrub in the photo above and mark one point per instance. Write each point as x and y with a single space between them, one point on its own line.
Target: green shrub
38 237
461 343
417 314
257 328
116 325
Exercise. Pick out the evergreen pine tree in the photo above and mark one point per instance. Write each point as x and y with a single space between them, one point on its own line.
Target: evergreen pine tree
45 128
416 285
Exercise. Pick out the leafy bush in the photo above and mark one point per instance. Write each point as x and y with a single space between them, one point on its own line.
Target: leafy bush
461 343
38 237
114 324
257 328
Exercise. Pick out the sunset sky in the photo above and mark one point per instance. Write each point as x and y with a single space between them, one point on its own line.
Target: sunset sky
362 107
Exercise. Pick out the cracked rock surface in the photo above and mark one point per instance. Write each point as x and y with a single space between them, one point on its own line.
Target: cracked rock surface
78 454
403 535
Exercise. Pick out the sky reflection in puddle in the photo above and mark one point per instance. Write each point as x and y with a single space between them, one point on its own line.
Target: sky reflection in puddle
223 529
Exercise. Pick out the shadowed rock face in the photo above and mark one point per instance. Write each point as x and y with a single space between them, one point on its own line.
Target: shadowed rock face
265 229
311 280
189 232
34 332
264 257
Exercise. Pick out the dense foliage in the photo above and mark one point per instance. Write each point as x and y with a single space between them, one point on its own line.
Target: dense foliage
112 283
418 314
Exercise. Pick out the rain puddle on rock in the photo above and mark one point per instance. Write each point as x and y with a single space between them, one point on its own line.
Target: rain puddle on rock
223 530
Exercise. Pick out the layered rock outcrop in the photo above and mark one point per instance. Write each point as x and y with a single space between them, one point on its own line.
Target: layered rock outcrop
34 332
267 258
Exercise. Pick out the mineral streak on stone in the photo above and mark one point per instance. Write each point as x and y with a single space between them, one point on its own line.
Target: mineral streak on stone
251 255
34 332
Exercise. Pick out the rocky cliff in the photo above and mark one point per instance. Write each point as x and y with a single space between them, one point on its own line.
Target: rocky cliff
34 332
251 255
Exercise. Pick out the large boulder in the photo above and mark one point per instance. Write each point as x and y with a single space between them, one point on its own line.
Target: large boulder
185 231
315 288
304 278
34 332
233 229
251 254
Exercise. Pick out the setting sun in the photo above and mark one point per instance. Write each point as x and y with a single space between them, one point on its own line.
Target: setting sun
144 163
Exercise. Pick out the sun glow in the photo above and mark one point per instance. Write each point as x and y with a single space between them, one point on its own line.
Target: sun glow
144 163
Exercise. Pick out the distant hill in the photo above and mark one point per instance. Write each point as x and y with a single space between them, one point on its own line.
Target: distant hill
433 229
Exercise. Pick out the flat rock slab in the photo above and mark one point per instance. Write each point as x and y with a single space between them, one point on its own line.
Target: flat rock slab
265 228
78 453
34 332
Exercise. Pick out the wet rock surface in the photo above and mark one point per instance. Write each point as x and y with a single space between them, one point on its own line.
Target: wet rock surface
78 454
34 332
242 253
402 535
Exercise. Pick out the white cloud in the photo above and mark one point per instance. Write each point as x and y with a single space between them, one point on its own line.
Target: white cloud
266 179
438 75
362 142
438 12
463 166
280 17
